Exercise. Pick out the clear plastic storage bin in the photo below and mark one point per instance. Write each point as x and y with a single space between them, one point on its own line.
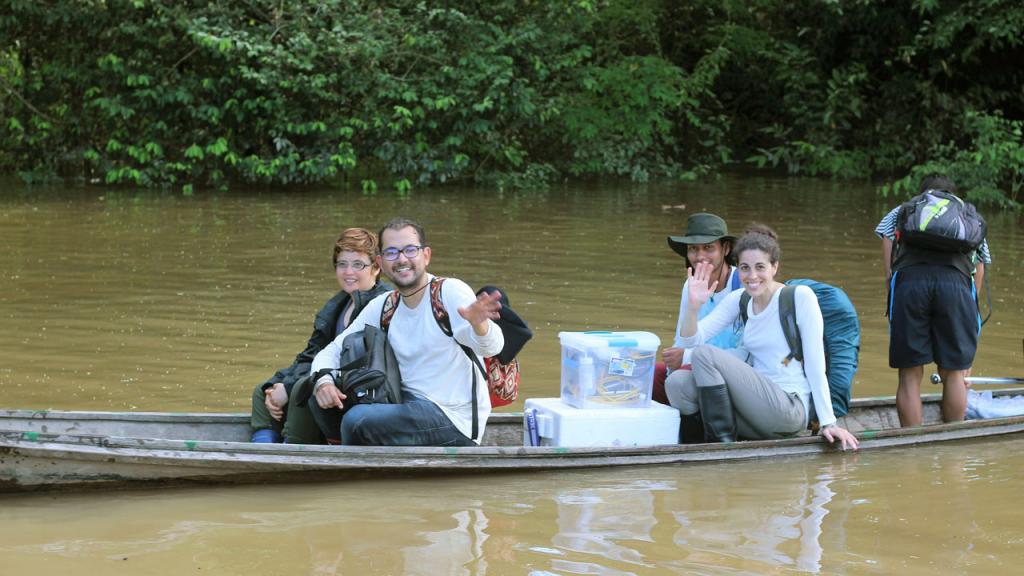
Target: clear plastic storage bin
608 369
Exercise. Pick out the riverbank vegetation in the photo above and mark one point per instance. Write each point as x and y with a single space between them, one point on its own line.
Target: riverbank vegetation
508 93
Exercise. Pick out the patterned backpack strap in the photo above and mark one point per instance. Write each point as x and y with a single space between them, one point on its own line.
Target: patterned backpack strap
437 305
387 312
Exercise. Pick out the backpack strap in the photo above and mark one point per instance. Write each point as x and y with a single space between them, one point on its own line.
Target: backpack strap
437 305
787 316
387 312
445 324
744 300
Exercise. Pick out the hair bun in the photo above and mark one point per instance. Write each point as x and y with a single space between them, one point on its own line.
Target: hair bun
758 228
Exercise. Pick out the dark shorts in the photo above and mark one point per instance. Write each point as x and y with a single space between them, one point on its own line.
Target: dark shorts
933 317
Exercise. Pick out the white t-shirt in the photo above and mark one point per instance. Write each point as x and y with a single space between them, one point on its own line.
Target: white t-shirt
433 365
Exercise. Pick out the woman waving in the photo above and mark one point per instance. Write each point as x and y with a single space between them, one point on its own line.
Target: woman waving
773 396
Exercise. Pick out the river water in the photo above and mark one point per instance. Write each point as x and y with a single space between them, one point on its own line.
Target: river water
126 300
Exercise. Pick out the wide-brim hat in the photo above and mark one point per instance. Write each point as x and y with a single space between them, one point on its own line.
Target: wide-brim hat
701 228
514 328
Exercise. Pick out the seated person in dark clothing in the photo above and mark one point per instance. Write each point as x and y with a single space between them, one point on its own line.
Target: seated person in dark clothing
276 415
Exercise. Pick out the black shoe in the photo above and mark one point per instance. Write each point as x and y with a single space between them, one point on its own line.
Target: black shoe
691 429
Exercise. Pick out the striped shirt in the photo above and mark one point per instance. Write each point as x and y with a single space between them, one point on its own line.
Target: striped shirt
887 229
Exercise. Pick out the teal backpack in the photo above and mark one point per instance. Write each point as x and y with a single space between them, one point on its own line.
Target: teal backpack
841 335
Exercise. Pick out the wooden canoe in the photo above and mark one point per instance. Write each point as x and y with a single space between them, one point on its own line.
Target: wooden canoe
65 449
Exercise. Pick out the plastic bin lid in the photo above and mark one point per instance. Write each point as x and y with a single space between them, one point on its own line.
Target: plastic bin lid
607 339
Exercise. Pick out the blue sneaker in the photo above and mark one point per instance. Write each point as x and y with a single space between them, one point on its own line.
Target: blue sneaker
266 436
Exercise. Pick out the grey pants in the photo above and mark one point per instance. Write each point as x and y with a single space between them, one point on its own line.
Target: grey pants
762 410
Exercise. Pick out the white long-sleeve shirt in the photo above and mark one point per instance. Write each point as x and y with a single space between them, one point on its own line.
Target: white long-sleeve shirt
765 341
433 365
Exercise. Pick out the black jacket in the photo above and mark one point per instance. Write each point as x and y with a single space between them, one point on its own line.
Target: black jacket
324 331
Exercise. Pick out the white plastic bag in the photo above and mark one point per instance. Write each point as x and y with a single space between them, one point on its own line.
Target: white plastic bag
983 405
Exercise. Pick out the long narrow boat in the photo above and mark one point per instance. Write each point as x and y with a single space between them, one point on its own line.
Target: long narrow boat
61 449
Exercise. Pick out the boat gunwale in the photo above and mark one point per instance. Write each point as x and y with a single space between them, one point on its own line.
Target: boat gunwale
519 452
212 467
236 417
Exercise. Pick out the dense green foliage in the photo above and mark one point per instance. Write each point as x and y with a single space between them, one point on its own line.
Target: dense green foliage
190 93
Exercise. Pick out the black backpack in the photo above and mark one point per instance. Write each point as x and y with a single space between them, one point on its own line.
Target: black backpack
941 221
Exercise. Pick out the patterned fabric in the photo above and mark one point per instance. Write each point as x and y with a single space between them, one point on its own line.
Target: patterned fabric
502 381
387 312
437 305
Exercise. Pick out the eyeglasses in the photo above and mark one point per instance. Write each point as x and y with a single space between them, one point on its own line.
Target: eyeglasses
411 251
358 265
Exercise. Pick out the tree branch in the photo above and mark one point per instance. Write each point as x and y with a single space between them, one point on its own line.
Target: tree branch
13 92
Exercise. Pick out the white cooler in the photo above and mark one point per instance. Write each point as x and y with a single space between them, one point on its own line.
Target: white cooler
559 424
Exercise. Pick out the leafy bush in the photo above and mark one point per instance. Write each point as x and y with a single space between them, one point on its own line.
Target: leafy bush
990 168
191 94
169 93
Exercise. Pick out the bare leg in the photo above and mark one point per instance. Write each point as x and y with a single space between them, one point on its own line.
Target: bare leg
908 396
954 394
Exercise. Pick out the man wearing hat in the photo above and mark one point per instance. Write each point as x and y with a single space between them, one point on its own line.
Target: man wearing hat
706 239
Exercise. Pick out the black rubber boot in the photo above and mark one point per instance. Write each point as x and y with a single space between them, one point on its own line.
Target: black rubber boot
691 429
716 409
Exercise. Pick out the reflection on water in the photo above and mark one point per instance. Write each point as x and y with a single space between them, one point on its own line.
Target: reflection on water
736 524
601 522
945 509
126 300
117 300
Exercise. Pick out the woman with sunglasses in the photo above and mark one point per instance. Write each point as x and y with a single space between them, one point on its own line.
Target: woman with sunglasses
275 414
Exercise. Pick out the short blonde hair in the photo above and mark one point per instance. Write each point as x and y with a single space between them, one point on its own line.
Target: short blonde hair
357 240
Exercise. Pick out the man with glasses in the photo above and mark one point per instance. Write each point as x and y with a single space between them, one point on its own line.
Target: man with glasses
437 375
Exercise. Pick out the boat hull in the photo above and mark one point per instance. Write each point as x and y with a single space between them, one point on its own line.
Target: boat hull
41 450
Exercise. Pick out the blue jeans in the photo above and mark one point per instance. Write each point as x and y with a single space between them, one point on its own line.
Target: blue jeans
415 422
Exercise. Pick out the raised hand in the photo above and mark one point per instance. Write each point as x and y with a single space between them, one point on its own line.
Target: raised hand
699 285
485 308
